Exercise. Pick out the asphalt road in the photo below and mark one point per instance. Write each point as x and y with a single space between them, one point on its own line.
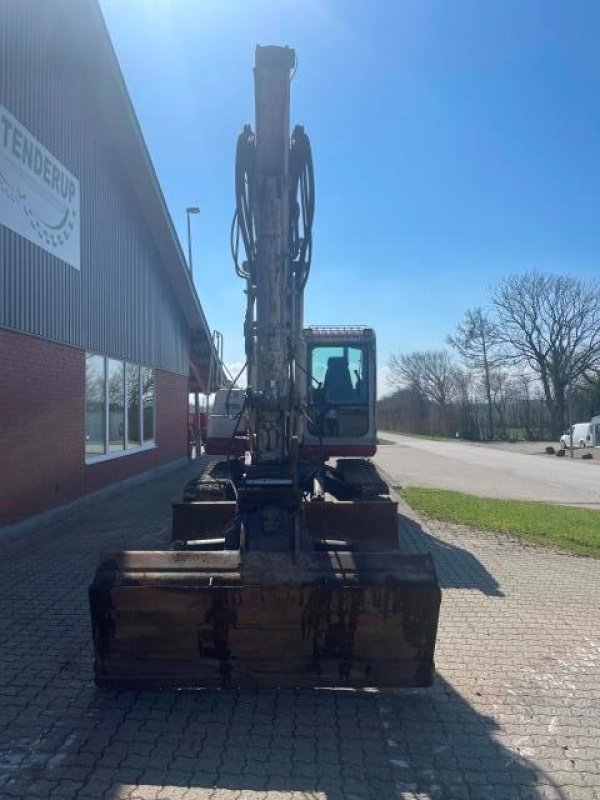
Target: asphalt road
489 472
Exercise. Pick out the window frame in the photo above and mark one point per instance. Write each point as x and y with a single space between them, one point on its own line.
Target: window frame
127 449
109 446
134 446
93 456
153 440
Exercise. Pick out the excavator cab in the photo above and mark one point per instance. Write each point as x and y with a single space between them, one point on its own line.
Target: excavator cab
340 392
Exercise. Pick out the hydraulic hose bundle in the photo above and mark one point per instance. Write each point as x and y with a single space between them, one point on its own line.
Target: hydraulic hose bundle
301 204
242 224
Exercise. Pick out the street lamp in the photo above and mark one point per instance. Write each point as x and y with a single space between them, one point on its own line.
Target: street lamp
189 211
570 406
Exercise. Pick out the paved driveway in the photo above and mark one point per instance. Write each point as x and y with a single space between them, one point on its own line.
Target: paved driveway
515 712
489 472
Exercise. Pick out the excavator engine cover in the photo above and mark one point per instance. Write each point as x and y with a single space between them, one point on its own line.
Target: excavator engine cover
329 618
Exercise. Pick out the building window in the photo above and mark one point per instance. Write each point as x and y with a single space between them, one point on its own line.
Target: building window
95 405
133 405
116 404
120 406
148 403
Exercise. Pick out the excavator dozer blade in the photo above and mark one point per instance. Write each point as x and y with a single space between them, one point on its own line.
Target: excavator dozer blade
183 619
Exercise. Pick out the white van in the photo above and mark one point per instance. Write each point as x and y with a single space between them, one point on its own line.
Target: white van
583 436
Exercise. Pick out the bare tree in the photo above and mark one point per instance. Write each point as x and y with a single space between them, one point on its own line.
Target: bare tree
476 340
589 392
527 396
464 397
405 410
551 323
502 391
428 371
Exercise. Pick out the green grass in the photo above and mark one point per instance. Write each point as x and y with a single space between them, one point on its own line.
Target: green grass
576 530
384 441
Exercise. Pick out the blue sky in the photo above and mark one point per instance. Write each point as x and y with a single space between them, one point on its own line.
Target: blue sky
454 142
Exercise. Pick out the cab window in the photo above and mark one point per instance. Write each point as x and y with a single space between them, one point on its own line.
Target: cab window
338 391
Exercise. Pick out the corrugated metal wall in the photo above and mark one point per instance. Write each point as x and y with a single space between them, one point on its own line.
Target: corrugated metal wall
121 302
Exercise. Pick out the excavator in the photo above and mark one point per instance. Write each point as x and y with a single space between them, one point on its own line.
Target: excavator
285 568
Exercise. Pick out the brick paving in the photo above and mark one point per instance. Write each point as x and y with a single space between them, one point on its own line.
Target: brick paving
515 712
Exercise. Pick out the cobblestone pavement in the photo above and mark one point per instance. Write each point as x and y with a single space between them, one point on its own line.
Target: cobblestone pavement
515 712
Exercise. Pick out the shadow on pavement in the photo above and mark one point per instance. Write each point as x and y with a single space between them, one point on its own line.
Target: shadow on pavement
273 745
326 745
456 567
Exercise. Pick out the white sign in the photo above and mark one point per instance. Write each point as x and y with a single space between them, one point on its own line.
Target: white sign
39 198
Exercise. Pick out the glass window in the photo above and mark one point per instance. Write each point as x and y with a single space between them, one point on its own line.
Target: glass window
148 403
116 404
120 405
133 405
338 375
95 404
338 391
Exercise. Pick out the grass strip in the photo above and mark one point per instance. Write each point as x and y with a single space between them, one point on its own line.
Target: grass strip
576 530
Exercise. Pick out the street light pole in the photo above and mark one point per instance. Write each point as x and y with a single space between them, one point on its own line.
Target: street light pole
189 211
570 406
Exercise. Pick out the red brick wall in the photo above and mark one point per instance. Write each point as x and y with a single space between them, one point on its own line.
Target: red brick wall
42 416
41 425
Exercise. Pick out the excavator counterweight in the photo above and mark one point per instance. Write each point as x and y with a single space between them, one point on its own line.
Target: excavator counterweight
285 569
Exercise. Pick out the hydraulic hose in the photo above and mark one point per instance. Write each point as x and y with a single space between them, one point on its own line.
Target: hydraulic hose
302 204
242 224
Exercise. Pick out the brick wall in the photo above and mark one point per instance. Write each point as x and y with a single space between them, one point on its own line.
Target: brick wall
42 415
41 425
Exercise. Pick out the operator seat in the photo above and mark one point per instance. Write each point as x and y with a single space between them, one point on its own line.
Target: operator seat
338 383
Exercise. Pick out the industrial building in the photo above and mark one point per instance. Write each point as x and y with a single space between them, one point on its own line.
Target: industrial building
102 334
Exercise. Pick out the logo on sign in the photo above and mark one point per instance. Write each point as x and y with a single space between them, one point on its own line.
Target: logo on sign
39 197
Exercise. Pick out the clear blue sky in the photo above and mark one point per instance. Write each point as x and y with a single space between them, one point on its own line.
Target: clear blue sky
455 142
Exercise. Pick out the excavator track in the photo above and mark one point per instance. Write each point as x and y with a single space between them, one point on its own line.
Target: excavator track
368 521
362 477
